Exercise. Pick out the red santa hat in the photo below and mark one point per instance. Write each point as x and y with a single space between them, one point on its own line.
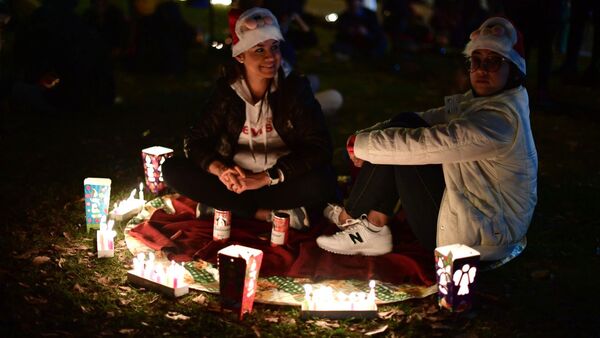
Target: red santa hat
251 28
499 35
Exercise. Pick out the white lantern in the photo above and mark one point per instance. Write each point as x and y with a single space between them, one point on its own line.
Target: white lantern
456 267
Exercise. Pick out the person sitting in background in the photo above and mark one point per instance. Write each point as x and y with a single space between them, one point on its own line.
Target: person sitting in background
359 33
262 143
464 173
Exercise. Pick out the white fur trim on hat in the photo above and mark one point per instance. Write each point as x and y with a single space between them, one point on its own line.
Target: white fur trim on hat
253 27
499 35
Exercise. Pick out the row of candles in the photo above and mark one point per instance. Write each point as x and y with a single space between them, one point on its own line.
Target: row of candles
170 276
324 298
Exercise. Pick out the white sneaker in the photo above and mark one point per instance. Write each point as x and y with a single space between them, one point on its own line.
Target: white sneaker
360 238
332 213
298 218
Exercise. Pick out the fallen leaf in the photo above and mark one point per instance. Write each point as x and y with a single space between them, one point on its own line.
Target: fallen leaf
104 281
27 254
127 331
67 236
84 309
39 260
176 316
377 330
201 299
124 301
272 319
255 329
125 288
390 314
440 326
35 300
60 262
24 285
326 325
78 288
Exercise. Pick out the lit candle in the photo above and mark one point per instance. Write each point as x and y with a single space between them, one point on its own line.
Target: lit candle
141 192
105 238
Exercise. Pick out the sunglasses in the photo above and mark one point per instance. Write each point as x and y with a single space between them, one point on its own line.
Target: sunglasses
490 64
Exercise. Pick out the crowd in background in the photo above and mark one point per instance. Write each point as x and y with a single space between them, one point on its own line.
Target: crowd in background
62 59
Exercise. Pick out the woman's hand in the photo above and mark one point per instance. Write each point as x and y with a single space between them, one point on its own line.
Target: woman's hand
230 177
350 148
233 178
253 181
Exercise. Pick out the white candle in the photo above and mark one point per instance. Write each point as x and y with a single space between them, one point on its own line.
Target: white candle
141 192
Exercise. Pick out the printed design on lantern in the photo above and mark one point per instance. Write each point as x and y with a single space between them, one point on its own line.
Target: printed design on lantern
463 277
153 170
444 271
95 202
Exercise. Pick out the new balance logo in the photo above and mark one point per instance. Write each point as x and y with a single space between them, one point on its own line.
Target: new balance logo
355 237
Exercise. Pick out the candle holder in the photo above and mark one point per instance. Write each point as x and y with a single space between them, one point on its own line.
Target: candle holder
456 267
238 275
97 201
130 207
323 302
154 276
153 158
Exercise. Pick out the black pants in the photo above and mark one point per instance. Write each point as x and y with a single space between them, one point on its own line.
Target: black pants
311 190
419 187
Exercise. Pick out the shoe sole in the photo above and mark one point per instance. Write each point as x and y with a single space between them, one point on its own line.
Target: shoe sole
361 252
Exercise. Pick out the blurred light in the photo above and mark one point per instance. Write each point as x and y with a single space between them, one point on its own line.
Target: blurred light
217 45
220 2
331 17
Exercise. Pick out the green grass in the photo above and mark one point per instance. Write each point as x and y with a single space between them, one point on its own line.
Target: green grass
549 291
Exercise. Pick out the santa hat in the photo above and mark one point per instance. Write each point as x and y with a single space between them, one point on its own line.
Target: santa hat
253 27
499 35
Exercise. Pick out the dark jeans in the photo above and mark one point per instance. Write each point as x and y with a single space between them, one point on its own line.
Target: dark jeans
419 187
311 190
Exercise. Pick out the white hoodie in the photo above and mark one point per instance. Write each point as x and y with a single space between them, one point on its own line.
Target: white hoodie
488 155
259 144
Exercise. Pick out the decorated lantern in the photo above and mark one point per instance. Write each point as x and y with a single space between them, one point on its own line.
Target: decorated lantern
456 267
153 158
238 275
97 201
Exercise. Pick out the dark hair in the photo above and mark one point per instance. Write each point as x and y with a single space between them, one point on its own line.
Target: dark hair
232 71
516 78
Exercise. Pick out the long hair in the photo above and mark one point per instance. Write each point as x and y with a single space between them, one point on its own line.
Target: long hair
232 71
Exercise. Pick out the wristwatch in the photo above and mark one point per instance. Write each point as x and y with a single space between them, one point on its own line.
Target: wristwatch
273 175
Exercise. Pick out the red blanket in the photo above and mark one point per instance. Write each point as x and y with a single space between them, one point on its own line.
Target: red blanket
301 257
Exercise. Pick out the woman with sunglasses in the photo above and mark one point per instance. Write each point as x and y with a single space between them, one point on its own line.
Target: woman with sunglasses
261 144
464 173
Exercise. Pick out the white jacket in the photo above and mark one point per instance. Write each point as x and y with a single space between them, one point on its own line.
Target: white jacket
488 155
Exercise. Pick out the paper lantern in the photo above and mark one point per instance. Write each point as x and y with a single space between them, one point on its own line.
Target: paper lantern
456 267
238 275
153 158
97 201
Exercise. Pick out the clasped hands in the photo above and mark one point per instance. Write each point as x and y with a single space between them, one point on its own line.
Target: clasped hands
238 180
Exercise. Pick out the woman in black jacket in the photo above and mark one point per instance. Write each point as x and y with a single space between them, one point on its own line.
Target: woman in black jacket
262 143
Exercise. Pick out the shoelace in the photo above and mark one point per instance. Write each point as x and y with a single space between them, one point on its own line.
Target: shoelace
349 222
350 226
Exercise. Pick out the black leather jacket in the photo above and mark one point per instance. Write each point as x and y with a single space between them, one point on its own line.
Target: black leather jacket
297 117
